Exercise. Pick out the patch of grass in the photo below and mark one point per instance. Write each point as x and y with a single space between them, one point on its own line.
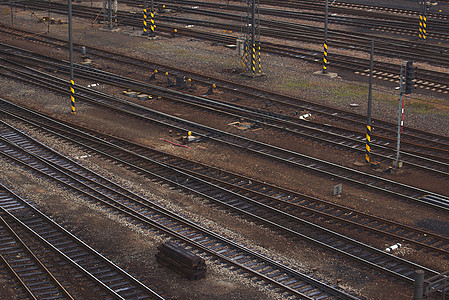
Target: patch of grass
420 107
293 84
303 84
349 93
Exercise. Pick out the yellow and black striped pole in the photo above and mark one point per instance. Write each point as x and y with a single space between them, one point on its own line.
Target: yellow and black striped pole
325 58
422 27
370 100
72 83
72 95
258 54
253 59
368 144
152 26
245 56
145 26
423 20
326 21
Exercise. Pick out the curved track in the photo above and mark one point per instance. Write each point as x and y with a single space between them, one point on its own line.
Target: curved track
286 156
223 194
427 79
39 243
149 216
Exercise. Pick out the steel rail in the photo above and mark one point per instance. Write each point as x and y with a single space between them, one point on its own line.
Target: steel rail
133 19
387 47
31 262
438 31
338 138
364 254
99 189
289 201
10 269
272 152
376 259
75 252
382 128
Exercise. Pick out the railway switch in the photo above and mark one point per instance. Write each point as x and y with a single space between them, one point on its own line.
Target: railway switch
338 189
211 89
181 82
153 75
189 138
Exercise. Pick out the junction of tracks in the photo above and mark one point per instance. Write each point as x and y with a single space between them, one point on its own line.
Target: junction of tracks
255 201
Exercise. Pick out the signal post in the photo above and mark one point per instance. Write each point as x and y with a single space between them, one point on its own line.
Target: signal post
406 87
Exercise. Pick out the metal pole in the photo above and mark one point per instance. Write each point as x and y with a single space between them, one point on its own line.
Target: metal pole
152 26
72 83
419 285
48 19
370 96
12 14
145 26
326 14
396 162
115 13
91 14
253 37
110 13
424 27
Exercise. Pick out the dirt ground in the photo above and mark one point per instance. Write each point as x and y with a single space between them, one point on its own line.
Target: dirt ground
134 249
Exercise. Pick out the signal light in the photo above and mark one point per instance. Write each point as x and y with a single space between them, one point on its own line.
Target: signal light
409 77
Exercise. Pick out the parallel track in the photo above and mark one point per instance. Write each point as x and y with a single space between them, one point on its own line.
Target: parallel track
413 138
427 79
215 193
150 216
31 244
427 158
263 194
318 166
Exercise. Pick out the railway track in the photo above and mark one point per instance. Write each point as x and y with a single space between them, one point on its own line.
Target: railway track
399 21
427 79
256 200
383 132
324 212
428 159
412 139
350 8
365 180
49 262
338 39
287 280
402 24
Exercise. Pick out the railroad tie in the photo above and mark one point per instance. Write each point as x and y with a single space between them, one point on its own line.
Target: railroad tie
181 261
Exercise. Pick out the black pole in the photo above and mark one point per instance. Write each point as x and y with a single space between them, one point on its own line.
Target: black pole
370 97
72 83
152 26
91 14
48 18
418 293
145 26
110 13
253 37
326 14
12 14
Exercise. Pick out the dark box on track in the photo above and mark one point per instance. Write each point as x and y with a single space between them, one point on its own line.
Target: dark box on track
181 261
